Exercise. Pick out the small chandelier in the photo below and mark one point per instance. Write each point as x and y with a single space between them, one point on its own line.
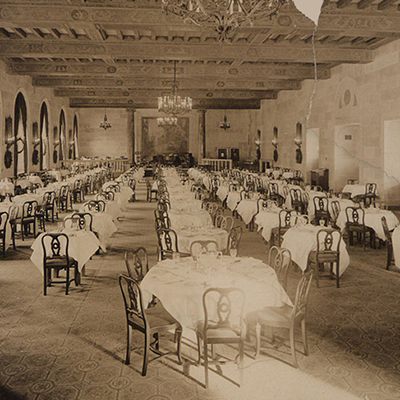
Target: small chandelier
164 122
225 124
173 104
224 16
105 124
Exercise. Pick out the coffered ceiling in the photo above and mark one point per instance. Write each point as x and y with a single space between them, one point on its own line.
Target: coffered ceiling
120 53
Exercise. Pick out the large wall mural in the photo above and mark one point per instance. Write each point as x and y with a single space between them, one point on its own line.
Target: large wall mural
157 140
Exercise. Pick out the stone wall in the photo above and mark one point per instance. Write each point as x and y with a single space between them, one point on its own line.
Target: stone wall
362 97
10 86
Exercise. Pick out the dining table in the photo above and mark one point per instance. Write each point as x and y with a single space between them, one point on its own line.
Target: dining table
396 245
82 245
354 189
179 284
233 199
247 209
373 219
6 187
103 226
195 218
266 221
301 239
187 235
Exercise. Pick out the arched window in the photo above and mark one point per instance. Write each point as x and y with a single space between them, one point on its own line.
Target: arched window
20 117
44 137
62 136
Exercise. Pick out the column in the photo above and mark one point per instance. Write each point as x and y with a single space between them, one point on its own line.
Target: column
202 132
131 134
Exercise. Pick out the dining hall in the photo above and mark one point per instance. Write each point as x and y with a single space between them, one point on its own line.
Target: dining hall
199 199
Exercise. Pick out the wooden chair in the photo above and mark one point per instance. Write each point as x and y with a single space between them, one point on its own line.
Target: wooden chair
369 197
161 218
137 263
85 221
132 185
49 205
227 223
235 234
296 198
287 219
285 317
95 206
222 324
64 198
151 193
274 194
280 260
335 206
355 223
151 322
78 191
388 242
321 210
55 257
198 247
327 252
13 212
3 229
167 243
29 218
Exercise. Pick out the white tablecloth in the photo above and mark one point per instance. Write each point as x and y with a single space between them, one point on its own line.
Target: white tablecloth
181 219
232 200
267 220
187 236
343 204
396 246
354 190
82 245
6 187
223 191
302 240
247 209
373 219
180 285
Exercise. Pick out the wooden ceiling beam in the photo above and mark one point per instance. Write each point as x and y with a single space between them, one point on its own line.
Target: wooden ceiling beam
144 94
282 52
383 5
363 4
252 72
224 104
343 3
166 84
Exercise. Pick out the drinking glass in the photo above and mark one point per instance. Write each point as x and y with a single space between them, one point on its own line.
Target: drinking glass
233 252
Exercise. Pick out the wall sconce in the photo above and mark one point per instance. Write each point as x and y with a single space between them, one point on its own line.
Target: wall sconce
274 143
56 144
298 142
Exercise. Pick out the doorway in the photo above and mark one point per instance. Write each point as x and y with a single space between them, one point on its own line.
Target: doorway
391 161
347 163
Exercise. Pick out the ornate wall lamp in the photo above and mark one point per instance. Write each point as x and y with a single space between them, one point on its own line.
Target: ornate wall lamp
298 140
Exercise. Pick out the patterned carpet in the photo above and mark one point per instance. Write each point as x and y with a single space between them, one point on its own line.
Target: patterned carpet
72 347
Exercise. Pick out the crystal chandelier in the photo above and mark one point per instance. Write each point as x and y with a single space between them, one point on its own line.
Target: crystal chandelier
173 104
225 124
105 124
167 121
224 16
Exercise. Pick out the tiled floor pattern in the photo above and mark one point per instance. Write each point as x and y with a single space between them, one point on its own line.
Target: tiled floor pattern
72 347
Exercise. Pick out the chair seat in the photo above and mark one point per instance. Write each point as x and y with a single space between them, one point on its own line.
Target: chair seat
326 256
157 317
60 262
275 315
218 333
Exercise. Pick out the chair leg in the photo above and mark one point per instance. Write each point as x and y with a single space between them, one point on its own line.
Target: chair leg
146 353
45 282
303 331
317 274
205 351
337 274
178 332
67 284
258 340
198 350
128 349
293 348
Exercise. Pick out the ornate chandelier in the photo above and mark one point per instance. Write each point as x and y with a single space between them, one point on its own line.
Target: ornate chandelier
164 122
173 104
105 124
224 16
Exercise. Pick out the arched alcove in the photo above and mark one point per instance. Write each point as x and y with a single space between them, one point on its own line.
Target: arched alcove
44 136
20 135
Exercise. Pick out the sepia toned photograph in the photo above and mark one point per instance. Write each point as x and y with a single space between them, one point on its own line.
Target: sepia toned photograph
199 199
